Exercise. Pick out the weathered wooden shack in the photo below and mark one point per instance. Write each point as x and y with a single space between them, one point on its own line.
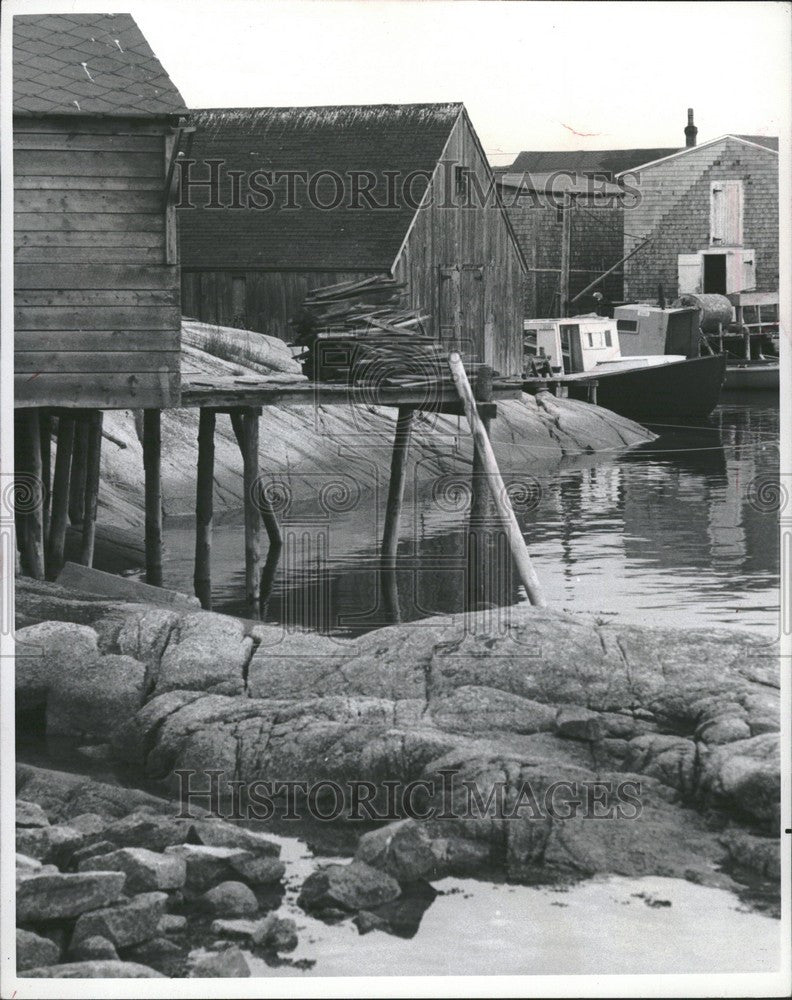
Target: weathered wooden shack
277 201
710 213
96 278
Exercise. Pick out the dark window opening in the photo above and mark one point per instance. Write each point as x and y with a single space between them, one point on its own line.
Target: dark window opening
715 273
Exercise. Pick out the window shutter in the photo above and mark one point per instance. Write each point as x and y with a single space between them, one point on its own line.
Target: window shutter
726 211
689 271
717 213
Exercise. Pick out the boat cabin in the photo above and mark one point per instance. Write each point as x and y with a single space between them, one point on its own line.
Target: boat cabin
581 344
646 329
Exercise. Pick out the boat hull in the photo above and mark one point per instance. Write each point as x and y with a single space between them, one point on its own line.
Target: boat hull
761 376
682 389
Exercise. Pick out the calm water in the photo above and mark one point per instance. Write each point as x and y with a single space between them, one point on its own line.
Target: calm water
680 532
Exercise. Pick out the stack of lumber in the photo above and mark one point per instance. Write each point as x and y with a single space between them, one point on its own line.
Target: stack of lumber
359 332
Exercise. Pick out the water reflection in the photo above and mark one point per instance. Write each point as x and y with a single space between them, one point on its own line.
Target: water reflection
666 534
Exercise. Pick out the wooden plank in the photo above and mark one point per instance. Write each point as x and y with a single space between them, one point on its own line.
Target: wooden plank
87 255
73 163
88 183
115 202
86 141
97 297
152 466
102 238
90 126
96 361
204 509
98 276
92 476
104 391
55 221
109 341
97 317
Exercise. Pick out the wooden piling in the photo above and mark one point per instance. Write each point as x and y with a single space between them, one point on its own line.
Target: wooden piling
92 471
78 470
60 496
497 488
250 482
204 508
45 444
152 468
30 493
398 477
479 591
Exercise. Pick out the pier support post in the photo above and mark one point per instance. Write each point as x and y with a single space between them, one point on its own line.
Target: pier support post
152 468
77 481
480 589
204 508
45 439
390 533
60 495
250 481
30 495
92 471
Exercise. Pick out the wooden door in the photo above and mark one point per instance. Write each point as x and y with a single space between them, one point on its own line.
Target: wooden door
461 308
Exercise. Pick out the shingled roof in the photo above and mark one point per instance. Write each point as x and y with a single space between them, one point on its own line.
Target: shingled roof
97 64
407 140
584 161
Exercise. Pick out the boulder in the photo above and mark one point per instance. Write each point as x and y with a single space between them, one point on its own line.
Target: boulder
44 652
92 850
206 866
97 969
160 953
93 948
125 924
573 722
206 652
258 871
30 814
33 950
404 850
96 701
356 886
238 928
230 899
148 830
55 843
216 833
146 871
27 867
226 964
171 923
57 897
275 933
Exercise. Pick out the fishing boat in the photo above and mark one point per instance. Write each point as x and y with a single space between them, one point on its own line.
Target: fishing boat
583 353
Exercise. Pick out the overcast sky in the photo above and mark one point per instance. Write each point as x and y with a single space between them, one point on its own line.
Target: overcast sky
532 75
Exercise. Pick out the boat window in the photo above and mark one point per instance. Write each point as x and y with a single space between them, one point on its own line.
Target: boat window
608 341
591 339
627 325
529 341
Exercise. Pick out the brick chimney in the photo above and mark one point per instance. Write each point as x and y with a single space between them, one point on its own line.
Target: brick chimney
690 130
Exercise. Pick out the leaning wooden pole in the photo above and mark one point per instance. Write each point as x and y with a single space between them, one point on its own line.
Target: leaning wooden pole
92 470
152 467
204 509
60 496
481 441
398 477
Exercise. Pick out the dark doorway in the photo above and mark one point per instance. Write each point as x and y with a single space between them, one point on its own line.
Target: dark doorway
715 273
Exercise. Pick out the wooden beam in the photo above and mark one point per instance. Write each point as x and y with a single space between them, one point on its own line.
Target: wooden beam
497 488
60 496
152 468
45 436
204 509
92 473
77 481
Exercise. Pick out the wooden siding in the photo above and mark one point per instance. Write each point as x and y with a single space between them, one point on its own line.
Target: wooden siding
454 244
97 312
258 300
674 209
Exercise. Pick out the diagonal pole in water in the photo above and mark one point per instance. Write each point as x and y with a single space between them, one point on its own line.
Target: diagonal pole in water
500 497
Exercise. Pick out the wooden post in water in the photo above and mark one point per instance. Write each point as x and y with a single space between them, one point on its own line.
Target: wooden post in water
480 589
92 470
78 469
30 494
519 551
152 467
390 533
204 508
60 495
250 475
